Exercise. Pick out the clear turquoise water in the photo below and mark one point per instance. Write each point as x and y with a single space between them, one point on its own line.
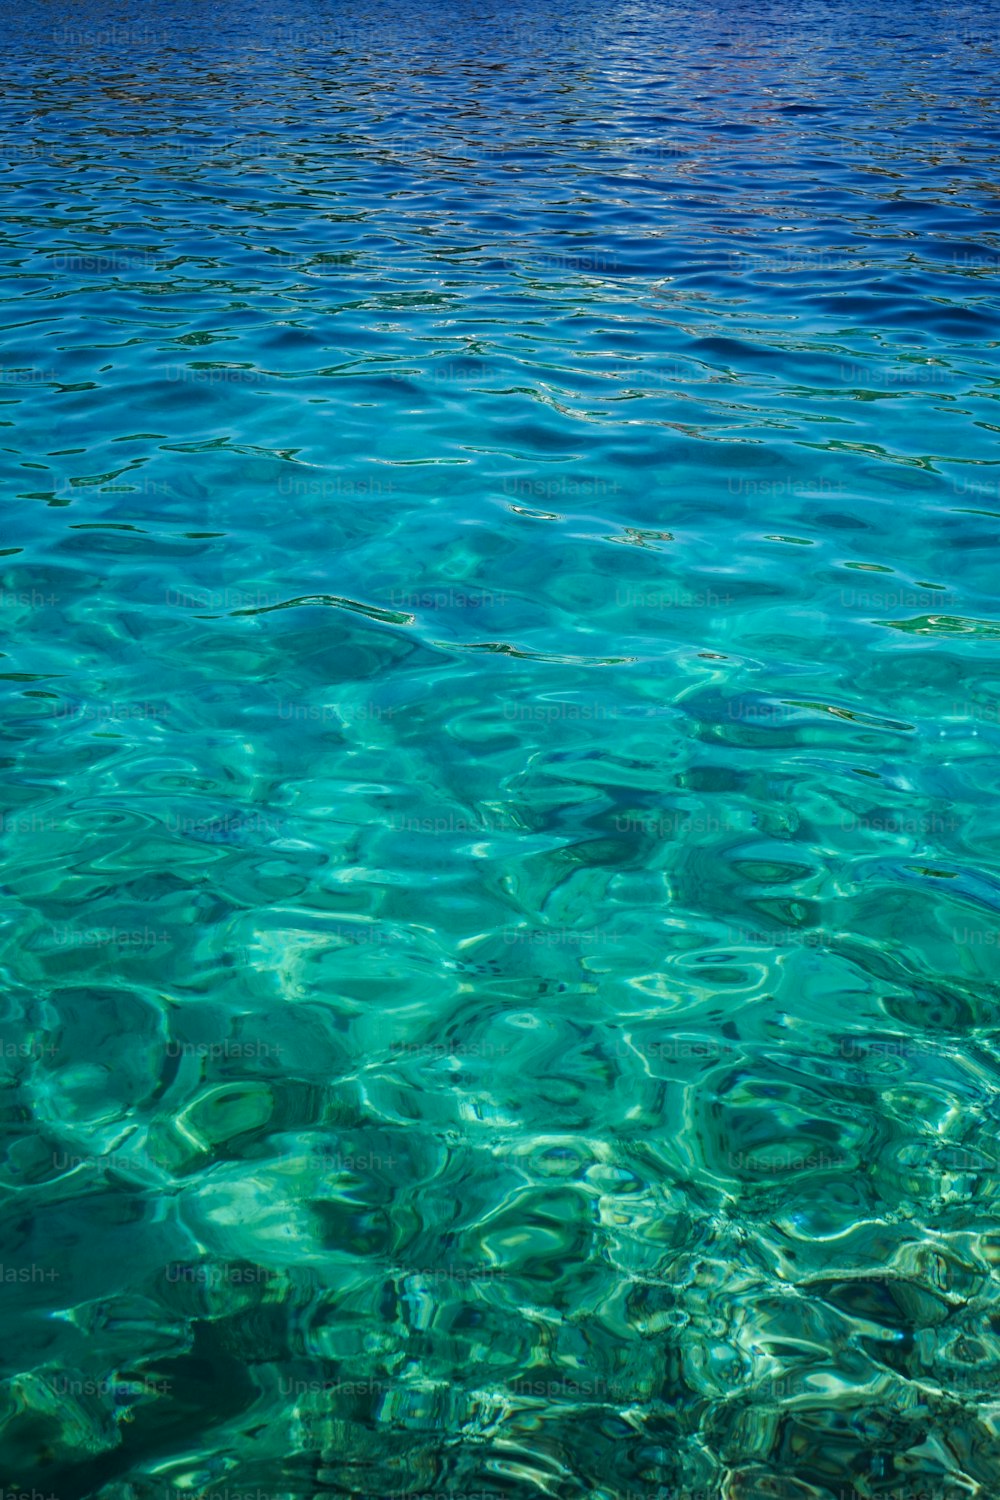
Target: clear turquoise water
501 852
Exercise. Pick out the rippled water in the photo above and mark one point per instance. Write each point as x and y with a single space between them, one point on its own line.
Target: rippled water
501 850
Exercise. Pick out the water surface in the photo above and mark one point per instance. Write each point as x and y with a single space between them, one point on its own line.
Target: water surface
501 852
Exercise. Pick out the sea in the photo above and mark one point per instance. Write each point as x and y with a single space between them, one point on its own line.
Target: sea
500 685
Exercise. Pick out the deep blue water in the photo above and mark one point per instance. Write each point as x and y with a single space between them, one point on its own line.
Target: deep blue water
500 859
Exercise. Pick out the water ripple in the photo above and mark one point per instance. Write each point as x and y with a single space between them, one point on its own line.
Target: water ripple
500 859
